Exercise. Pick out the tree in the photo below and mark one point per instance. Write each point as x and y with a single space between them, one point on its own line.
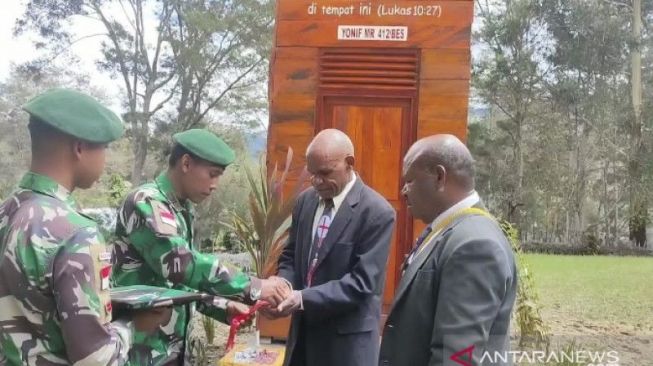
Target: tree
15 142
509 78
583 87
567 135
638 200
196 56
14 93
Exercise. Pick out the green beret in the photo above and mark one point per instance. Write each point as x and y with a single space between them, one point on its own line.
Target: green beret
76 114
206 145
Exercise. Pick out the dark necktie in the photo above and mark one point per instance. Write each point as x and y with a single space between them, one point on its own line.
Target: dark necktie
418 243
323 225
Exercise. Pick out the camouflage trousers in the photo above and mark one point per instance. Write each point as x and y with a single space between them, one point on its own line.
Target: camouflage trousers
166 346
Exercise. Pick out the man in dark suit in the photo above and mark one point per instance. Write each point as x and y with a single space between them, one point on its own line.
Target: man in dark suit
458 288
335 260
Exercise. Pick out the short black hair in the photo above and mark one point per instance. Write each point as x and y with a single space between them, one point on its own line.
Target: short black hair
178 151
40 132
457 163
38 128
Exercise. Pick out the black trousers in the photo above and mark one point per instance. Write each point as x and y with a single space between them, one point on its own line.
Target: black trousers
298 357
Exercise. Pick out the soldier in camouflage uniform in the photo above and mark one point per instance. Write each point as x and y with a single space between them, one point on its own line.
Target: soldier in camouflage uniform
54 264
154 245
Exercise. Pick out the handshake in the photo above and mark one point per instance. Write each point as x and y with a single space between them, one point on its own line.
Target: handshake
282 299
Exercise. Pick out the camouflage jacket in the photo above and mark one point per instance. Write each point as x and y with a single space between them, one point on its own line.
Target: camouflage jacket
154 247
54 282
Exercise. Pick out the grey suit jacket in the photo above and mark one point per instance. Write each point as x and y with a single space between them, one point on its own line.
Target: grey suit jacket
342 308
454 298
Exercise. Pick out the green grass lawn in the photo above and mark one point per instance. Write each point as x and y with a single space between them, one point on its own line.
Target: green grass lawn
602 290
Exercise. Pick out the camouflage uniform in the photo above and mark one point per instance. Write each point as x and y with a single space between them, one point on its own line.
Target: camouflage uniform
54 282
154 247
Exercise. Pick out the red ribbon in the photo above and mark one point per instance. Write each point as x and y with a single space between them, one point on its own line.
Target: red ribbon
239 320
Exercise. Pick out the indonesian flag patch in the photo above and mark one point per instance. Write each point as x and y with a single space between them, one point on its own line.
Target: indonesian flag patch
105 275
168 218
165 221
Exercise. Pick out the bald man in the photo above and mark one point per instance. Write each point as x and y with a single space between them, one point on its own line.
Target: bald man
335 260
459 282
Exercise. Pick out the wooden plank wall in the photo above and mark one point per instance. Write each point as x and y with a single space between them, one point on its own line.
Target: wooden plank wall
293 92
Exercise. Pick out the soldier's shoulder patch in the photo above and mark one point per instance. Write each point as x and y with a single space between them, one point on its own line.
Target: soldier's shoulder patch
164 220
144 193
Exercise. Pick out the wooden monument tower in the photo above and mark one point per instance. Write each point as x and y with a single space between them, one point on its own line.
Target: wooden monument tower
386 72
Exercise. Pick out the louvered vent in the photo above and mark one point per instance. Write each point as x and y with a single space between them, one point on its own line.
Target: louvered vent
369 69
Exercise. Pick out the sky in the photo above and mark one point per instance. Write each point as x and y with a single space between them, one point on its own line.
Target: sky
16 50
20 49
13 50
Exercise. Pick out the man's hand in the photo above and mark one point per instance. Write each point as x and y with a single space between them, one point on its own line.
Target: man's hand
235 308
274 290
270 313
150 320
291 304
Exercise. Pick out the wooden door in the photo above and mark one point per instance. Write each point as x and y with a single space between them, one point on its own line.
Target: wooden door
380 128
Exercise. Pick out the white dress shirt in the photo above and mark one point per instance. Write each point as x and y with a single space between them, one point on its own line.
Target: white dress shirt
337 202
465 203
